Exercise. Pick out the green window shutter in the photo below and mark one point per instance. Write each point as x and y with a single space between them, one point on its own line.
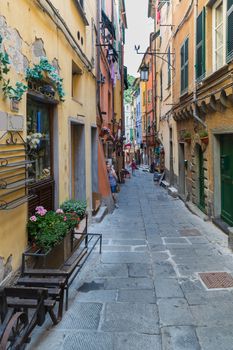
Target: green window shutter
184 66
229 30
161 85
169 67
200 46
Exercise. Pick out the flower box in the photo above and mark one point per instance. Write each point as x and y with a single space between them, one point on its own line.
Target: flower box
52 259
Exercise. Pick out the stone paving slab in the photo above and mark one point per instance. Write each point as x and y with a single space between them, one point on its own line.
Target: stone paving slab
175 312
168 288
137 342
129 283
130 317
219 338
143 292
139 296
140 270
118 258
180 338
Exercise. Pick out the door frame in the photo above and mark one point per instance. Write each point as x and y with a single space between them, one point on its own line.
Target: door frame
216 147
77 122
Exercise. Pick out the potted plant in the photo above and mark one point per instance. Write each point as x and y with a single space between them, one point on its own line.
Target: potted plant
204 136
76 208
50 234
187 136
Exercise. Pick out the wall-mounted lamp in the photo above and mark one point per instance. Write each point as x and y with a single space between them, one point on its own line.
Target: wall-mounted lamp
144 72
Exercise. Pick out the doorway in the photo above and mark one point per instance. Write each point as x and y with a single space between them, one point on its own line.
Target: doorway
40 141
78 165
201 204
226 166
171 172
181 170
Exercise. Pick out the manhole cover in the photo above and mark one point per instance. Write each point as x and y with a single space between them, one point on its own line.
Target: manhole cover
190 232
217 279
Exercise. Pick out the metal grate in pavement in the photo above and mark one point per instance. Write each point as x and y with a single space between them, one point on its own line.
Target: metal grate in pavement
214 280
190 232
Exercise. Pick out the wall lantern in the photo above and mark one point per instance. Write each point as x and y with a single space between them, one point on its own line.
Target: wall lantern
144 72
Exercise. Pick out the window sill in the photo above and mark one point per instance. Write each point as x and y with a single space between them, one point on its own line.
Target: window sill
184 93
77 101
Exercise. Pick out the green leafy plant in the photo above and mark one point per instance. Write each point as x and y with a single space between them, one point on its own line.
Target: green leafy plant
203 133
38 71
47 228
14 93
78 207
187 135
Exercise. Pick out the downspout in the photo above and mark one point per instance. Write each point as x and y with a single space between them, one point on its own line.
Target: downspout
195 114
98 71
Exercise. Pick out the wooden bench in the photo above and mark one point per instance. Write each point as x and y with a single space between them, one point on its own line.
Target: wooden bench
15 302
62 278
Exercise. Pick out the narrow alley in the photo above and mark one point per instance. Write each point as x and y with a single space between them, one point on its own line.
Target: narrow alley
144 291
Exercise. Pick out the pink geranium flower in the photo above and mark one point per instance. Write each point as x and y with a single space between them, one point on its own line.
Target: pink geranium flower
65 218
59 211
33 218
41 211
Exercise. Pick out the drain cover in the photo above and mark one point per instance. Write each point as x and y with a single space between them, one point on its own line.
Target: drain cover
190 232
217 279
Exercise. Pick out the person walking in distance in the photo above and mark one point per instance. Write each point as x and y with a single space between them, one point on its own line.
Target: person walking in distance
112 177
133 166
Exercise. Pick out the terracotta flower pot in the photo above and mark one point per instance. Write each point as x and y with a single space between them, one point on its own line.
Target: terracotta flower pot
188 140
205 140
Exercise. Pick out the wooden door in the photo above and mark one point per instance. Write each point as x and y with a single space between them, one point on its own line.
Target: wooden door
201 181
227 178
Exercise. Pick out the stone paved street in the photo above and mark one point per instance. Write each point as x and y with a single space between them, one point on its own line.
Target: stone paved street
144 292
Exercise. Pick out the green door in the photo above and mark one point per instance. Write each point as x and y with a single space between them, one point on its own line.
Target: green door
201 181
227 178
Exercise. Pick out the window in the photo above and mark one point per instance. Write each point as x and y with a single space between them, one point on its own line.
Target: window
223 33
161 85
39 134
229 30
144 98
184 66
149 96
76 82
169 67
200 46
218 37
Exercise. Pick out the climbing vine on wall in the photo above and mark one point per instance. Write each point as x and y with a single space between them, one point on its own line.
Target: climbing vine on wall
14 93
44 67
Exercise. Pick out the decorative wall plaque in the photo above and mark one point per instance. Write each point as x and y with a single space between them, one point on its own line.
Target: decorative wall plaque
3 121
15 122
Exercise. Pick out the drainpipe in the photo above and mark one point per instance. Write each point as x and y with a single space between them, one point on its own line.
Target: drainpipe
195 114
98 71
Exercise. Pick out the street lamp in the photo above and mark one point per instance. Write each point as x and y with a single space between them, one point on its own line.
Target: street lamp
144 72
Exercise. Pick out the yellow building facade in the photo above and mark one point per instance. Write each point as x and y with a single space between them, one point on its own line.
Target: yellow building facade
58 34
203 107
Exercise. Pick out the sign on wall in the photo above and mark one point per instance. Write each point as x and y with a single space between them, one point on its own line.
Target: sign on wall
11 122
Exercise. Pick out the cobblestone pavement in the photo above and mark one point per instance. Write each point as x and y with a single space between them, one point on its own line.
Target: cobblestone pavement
144 291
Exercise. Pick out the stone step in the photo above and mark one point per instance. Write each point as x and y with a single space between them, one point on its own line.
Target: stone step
172 191
100 214
165 184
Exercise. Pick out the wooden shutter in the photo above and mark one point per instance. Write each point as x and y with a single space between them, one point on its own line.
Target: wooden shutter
200 45
169 67
229 30
184 65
